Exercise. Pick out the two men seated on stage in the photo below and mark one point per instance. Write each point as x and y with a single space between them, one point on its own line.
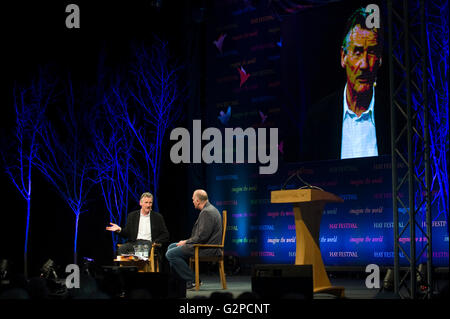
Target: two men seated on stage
145 226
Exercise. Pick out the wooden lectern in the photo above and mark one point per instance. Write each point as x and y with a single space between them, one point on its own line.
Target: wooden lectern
308 207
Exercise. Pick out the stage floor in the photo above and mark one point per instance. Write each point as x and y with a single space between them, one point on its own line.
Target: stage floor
355 288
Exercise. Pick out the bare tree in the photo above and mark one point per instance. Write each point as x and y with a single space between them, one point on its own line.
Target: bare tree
30 104
151 104
112 160
64 159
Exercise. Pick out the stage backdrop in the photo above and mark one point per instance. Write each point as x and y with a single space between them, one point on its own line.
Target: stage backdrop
253 81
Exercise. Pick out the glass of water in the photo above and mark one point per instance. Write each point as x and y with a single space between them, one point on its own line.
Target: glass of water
138 250
145 249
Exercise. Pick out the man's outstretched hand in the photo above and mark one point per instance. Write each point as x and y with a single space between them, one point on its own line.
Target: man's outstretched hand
113 227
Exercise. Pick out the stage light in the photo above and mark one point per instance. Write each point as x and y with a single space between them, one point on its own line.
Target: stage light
421 277
88 266
4 266
421 273
48 270
56 287
388 281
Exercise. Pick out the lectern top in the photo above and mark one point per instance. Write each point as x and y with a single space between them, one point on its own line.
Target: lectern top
303 195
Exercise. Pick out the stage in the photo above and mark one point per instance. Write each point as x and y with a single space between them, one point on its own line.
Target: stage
239 287
240 100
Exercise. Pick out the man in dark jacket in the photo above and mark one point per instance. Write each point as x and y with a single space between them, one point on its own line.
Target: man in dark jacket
207 230
143 226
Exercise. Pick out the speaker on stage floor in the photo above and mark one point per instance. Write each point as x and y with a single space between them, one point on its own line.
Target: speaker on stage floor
154 283
128 283
283 281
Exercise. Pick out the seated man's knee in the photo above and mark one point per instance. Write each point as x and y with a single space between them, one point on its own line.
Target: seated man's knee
170 254
172 245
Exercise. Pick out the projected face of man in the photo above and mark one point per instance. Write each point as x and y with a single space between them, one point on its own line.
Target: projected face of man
361 60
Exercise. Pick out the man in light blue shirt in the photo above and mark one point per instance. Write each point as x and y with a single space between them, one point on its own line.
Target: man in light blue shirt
361 58
359 138
352 122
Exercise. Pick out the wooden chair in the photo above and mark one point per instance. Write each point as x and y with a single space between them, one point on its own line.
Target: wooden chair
150 265
153 258
219 259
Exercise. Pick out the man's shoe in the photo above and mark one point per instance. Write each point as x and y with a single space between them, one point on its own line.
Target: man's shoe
191 285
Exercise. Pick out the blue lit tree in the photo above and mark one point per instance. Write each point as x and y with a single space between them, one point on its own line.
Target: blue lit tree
112 160
140 173
64 157
30 104
437 37
438 67
151 103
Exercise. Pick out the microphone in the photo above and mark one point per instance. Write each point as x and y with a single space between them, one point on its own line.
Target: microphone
289 178
303 181
297 174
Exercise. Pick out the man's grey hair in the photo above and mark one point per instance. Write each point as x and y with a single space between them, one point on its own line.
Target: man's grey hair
201 195
358 18
147 194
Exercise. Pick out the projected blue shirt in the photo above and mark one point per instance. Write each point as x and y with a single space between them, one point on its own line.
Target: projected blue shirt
359 138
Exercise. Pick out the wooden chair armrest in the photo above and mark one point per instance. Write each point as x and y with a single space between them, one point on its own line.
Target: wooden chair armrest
207 246
156 245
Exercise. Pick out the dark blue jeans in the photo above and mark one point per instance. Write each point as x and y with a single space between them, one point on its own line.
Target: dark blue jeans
177 259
